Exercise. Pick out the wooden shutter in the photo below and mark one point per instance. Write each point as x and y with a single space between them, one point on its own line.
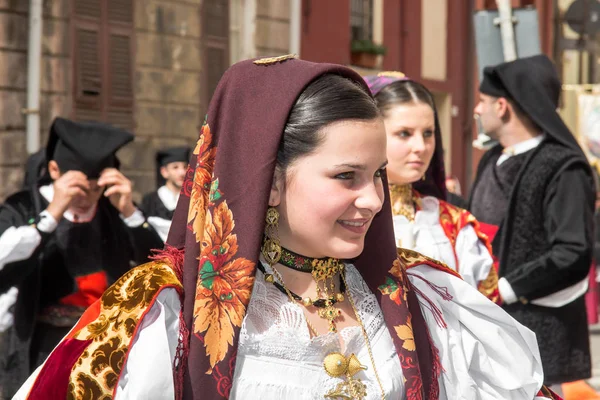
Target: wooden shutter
215 43
103 61
87 57
119 107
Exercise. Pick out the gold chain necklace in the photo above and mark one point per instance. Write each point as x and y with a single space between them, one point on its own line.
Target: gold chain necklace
338 366
403 201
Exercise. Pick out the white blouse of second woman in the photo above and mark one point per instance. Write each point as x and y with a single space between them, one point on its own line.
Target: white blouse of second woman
426 236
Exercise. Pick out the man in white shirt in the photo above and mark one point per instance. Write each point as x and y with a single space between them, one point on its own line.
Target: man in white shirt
63 241
536 188
158 206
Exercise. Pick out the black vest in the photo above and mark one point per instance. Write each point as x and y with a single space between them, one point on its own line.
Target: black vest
562 333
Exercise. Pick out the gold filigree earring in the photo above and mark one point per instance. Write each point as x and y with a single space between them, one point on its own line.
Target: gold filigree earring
271 248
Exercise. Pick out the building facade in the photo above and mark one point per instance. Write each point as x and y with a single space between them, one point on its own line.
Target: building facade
428 40
149 66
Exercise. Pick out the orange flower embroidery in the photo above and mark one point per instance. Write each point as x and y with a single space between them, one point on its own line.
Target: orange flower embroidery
205 160
405 333
224 284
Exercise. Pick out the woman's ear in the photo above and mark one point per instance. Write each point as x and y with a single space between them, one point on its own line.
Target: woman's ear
277 187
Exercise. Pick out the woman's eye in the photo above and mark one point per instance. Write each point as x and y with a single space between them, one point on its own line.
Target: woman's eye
403 134
380 173
345 175
428 133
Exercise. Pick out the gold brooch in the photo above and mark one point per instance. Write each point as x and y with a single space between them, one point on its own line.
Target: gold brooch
275 60
392 74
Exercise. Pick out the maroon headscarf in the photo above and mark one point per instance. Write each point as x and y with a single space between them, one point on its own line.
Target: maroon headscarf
435 176
219 223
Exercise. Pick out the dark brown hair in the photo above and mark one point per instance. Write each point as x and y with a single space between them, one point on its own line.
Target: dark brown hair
328 99
402 92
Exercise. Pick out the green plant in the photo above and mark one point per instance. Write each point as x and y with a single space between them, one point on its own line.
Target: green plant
367 46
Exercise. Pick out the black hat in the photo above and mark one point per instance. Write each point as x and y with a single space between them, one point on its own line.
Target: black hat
166 156
533 84
172 154
88 147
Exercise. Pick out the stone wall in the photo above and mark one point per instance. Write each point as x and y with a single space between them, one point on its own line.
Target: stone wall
167 84
272 27
55 81
167 78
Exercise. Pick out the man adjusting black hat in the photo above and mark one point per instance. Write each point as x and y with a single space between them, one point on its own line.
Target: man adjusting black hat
158 206
64 240
536 188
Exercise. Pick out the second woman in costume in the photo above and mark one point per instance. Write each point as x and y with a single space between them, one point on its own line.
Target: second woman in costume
423 220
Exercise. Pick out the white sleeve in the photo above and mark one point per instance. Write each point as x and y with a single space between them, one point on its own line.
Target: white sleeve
18 244
148 372
134 220
485 353
161 226
474 259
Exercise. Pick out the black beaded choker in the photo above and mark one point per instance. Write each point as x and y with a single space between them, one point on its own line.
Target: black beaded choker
300 263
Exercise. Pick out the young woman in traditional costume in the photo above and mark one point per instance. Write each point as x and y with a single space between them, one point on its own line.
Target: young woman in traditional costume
423 220
282 279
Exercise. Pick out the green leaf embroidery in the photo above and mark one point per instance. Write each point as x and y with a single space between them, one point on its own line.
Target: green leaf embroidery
215 193
208 274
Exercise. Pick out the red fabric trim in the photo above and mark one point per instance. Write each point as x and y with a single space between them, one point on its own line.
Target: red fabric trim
489 230
89 289
137 328
434 265
89 316
173 257
181 356
53 381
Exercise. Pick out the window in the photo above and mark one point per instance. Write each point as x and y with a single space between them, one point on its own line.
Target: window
215 42
361 19
103 61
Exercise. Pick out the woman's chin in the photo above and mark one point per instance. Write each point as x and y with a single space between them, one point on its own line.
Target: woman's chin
348 251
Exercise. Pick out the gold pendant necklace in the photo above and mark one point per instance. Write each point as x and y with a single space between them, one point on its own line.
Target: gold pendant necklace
338 366
403 201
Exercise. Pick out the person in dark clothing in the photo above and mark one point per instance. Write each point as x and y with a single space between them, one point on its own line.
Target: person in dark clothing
35 168
536 186
63 243
158 206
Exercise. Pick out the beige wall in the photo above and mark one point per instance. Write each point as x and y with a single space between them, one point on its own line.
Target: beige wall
443 103
570 75
272 27
55 81
434 22
168 72
167 77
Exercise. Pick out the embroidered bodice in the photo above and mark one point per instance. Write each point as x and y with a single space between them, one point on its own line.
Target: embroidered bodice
277 359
